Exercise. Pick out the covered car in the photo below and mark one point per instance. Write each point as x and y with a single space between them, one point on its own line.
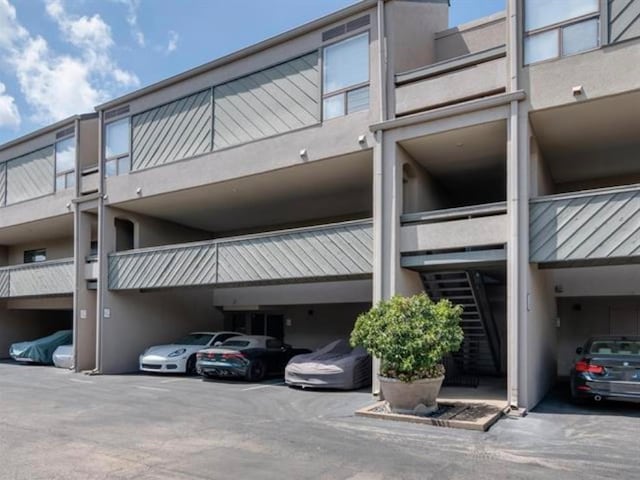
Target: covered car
251 357
40 350
336 365
63 356
180 356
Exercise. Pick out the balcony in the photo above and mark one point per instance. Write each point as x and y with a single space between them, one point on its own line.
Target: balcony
37 279
465 235
89 180
595 227
468 77
337 251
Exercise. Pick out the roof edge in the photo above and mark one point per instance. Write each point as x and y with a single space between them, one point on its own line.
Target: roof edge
242 53
47 129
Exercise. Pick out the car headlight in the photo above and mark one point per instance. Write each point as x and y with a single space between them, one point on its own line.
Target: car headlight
177 353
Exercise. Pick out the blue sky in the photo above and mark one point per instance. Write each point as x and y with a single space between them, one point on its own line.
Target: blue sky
61 57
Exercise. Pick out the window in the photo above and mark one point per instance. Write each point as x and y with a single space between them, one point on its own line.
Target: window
116 151
346 77
34 256
555 29
65 164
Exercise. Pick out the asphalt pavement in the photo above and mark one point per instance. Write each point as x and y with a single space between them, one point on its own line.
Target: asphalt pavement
55 424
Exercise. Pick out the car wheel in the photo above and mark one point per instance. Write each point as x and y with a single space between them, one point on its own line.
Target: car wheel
191 366
256 371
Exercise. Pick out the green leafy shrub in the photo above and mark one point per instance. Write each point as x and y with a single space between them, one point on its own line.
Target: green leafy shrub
410 335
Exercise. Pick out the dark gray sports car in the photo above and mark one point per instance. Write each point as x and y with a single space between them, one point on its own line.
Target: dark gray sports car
607 367
249 357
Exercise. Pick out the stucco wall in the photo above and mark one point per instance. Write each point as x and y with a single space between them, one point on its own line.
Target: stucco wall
471 37
540 338
56 249
411 27
313 326
138 320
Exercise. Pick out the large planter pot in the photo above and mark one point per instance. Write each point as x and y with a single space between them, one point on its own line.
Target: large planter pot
406 397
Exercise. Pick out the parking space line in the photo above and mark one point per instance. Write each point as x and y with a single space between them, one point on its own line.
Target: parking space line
77 380
174 380
155 389
258 387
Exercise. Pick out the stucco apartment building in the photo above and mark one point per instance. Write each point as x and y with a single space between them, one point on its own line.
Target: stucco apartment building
284 188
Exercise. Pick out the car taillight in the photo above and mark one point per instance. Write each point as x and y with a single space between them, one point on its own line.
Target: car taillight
583 366
227 356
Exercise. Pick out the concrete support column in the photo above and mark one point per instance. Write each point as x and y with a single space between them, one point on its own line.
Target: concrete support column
389 278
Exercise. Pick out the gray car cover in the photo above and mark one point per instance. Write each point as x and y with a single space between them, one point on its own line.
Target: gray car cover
63 356
336 365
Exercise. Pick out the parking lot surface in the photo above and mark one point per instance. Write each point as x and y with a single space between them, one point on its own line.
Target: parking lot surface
55 424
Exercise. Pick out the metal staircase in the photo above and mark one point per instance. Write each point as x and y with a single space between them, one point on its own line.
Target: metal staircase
480 351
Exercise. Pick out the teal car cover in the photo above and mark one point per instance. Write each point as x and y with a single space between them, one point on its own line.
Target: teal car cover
40 350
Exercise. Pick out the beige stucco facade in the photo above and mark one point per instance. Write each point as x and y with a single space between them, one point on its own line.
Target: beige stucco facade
465 161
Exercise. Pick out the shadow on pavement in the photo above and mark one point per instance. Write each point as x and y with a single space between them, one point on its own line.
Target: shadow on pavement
558 401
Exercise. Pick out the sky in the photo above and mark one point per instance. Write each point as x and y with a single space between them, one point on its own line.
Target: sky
63 57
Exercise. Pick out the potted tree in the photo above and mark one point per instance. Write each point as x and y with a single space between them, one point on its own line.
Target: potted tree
410 336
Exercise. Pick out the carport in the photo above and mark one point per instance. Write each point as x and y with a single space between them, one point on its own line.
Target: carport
36 280
305 285
30 319
305 315
594 301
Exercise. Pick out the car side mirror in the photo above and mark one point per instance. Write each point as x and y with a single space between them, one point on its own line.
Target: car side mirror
579 350
217 344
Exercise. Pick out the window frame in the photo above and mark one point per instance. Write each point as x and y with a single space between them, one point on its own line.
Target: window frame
560 26
64 173
343 92
116 158
34 252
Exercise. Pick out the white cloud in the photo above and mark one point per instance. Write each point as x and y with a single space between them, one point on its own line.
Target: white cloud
10 30
57 85
132 20
83 32
9 115
172 46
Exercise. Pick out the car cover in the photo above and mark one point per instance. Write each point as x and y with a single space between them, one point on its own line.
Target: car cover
41 350
335 365
63 356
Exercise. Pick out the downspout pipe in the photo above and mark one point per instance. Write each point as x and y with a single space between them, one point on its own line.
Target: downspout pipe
101 256
378 201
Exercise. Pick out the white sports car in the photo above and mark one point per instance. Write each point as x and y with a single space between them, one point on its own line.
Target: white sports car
180 356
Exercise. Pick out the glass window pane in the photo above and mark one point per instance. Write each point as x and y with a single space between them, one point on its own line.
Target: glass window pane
358 100
333 107
66 155
541 46
33 256
117 138
60 184
123 165
346 63
71 179
580 37
540 13
110 168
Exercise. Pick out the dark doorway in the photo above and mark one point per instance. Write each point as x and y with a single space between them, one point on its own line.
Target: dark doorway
124 235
